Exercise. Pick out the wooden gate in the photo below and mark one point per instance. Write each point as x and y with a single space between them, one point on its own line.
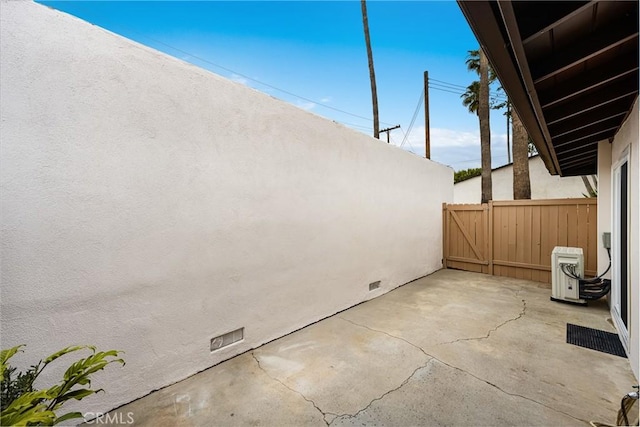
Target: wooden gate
516 238
466 237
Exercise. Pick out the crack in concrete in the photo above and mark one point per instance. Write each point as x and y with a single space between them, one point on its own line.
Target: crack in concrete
347 416
508 393
387 334
522 313
432 358
324 414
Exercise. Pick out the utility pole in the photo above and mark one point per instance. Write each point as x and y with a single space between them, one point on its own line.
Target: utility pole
388 130
372 73
427 136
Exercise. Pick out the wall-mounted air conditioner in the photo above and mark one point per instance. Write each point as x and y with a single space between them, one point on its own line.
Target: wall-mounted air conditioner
565 263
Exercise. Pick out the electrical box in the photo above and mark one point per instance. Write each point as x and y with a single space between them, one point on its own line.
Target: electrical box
606 240
563 287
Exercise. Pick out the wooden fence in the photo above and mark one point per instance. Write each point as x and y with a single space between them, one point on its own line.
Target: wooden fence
516 238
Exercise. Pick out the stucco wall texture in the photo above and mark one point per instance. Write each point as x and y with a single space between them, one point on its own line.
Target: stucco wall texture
543 185
149 206
626 143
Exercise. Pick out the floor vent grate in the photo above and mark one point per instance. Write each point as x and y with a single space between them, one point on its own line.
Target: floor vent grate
594 339
227 339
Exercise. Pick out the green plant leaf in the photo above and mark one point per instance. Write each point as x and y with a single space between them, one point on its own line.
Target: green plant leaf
27 399
79 373
25 407
28 408
37 415
67 350
77 394
7 354
91 364
69 416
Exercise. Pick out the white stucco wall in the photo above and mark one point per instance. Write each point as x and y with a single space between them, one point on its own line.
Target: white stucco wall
627 137
604 203
543 185
149 206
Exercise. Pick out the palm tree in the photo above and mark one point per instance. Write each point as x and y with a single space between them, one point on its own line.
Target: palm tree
471 100
521 181
473 64
372 74
476 99
485 131
470 97
592 190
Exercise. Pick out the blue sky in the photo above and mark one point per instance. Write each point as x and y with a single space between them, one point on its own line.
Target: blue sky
312 54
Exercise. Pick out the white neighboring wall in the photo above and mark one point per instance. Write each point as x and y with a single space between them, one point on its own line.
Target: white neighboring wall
543 185
149 205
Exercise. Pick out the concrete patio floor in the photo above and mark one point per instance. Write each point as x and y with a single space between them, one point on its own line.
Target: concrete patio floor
453 348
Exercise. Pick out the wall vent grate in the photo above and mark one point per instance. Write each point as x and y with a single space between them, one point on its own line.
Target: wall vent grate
227 339
373 286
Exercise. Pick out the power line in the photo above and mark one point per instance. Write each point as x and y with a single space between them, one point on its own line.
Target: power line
441 83
458 89
446 83
445 90
409 145
495 95
454 86
413 119
252 79
354 125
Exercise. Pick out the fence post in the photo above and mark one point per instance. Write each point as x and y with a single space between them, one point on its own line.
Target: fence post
445 234
489 240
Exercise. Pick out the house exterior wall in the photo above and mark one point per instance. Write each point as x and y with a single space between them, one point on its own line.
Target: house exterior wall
149 206
604 203
543 185
627 137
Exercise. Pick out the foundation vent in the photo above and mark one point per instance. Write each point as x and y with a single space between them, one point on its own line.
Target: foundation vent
373 286
227 339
